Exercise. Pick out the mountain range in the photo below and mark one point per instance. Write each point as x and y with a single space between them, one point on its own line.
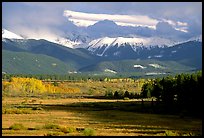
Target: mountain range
100 51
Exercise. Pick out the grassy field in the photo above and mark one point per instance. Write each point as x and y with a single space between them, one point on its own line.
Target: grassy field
99 88
89 117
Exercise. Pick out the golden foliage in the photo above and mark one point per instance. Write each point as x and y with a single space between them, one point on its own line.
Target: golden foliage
32 85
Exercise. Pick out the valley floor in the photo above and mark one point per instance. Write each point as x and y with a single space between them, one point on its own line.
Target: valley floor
87 116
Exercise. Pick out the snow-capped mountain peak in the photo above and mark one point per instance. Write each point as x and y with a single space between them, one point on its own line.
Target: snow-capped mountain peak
135 42
66 42
10 35
60 40
198 38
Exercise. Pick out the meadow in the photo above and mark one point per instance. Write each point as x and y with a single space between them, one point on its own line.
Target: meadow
62 114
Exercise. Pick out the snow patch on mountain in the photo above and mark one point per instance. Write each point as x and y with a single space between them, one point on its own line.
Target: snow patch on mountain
139 66
174 51
158 56
109 70
66 42
116 53
157 66
155 73
10 35
197 38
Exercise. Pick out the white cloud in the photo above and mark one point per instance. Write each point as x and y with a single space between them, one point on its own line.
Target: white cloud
177 25
184 29
36 32
35 16
182 23
87 19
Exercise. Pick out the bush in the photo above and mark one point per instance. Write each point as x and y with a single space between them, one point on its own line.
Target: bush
55 83
37 108
51 126
116 94
67 129
88 132
109 94
54 134
170 133
126 94
17 126
16 111
126 98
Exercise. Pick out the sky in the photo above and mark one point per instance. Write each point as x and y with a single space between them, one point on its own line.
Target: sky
40 19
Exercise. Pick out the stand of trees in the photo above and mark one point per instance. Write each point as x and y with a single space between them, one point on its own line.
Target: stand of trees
181 93
61 77
121 95
19 85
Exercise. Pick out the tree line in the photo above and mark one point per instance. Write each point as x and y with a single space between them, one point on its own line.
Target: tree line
181 93
62 77
70 77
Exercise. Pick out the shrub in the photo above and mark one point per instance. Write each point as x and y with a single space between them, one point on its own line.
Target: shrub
116 94
88 132
67 129
16 111
32 101
54 134
126 98
37 108
126 94
170 133
17 126
109 94
55 83
131 95
51 126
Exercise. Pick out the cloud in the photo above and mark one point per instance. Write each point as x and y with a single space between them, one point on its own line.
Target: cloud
34 21
87 19
33 17
164 28
180 26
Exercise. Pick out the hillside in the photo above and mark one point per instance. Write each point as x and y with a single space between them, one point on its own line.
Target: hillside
27 63
142 66
65 54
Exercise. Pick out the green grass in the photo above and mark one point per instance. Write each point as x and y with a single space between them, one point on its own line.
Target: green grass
17 126
67 129
89 132
16 111
51 126
14 62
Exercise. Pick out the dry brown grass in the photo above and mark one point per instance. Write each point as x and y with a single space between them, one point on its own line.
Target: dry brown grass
71 113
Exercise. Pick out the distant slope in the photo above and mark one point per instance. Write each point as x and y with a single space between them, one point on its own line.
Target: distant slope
188 53
179 58
149 65
27 63
71 56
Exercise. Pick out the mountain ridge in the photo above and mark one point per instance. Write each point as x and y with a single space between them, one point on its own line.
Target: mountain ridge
91 54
